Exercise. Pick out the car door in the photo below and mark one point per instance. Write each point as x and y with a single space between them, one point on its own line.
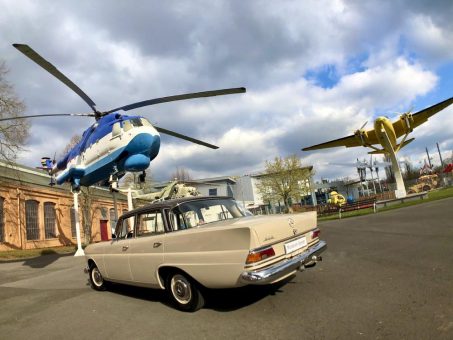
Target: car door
146 250
116 258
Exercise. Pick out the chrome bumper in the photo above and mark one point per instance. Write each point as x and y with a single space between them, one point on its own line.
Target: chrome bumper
281 269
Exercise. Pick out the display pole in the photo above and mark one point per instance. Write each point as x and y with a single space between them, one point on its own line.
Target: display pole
79 251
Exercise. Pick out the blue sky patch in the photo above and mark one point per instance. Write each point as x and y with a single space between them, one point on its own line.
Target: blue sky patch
325 76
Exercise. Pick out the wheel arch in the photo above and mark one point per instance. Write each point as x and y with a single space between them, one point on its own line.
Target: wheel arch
165 271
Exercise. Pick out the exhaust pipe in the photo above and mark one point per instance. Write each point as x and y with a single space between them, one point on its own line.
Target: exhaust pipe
312 262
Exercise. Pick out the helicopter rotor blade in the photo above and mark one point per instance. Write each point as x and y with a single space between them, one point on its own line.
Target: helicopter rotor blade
190 139
33 55
178 97
50 115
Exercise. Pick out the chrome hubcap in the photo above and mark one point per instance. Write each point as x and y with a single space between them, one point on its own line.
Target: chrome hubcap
97 277
181 289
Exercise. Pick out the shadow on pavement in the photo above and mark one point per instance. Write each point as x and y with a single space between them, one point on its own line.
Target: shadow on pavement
43 260
226 300
221 300
153 295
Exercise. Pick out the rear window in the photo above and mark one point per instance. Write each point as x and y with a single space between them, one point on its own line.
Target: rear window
195 213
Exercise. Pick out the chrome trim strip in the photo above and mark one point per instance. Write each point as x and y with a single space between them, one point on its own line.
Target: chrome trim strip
305 234
281 269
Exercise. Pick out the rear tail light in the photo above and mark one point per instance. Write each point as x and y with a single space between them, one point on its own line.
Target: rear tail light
315 233
256 256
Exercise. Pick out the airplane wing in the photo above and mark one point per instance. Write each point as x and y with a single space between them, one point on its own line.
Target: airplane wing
349 142
420 117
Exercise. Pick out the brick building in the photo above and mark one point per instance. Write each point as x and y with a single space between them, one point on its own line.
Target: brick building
36 215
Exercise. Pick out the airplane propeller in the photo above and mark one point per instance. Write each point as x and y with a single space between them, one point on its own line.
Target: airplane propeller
364 124
38 59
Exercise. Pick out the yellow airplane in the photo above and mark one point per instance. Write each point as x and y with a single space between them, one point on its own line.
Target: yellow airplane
385 132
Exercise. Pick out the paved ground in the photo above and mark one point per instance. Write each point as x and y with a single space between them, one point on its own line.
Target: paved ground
388 275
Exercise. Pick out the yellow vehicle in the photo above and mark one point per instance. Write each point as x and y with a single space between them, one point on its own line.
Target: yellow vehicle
336 198
424 183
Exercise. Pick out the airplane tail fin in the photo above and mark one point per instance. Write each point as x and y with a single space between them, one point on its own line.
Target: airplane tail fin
399 146
376 152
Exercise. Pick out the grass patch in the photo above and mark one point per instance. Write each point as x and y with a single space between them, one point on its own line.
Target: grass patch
432 196
346 214
31 253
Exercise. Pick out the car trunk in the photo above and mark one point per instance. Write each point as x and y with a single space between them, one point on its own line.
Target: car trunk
288 235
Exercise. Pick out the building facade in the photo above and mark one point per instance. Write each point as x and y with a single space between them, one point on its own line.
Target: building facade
36 215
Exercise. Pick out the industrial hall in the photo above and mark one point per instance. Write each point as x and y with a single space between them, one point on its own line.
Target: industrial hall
34 214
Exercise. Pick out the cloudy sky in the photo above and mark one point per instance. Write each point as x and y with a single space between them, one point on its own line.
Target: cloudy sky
314 71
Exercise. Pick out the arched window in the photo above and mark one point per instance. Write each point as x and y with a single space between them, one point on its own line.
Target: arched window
49 220
2 221
32 219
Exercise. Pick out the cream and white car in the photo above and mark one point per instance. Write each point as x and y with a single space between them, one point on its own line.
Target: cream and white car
187 245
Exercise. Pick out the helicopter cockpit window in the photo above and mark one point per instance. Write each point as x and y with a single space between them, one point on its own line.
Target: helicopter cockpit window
136 122
116 129
145 122
127 125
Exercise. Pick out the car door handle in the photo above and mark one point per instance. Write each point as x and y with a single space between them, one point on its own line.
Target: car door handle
125 248
157 244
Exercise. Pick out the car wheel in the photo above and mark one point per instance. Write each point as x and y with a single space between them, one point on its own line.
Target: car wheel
96 279
184 292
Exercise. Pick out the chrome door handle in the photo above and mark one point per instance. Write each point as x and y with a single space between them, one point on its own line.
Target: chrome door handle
125 248
157 244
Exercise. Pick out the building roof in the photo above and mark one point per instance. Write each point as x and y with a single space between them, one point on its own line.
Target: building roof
173 203
262 173
39 178
206 181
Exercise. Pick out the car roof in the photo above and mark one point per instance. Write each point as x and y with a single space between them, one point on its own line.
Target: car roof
169 204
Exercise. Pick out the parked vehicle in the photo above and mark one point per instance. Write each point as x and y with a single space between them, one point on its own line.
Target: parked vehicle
424 183
191 244
336 198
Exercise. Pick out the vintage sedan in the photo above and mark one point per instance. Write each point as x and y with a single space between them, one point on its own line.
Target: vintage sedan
188 245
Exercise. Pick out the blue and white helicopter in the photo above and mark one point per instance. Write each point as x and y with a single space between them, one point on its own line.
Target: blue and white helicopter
116 142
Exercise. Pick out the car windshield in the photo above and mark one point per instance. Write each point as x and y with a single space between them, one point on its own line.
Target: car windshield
196 213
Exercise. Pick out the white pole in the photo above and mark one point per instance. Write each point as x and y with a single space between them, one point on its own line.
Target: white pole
79 251
115 205
129 199
372 180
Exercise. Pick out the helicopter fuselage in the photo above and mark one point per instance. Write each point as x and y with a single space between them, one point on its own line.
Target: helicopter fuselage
113 145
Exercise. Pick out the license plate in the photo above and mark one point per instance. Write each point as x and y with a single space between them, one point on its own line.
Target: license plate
295 245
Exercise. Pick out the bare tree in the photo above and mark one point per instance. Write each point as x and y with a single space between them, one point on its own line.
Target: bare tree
73 142
181 174
13 133
284 179
136 180
410 172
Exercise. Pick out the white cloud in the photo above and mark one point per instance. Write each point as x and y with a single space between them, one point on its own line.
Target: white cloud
386 56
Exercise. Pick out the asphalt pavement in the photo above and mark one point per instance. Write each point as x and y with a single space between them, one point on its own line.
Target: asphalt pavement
384 276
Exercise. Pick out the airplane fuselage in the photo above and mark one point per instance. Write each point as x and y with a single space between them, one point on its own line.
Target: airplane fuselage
381 125
113 145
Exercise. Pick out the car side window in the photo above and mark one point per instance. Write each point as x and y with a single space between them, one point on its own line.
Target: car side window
151 223
125 229
176 221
